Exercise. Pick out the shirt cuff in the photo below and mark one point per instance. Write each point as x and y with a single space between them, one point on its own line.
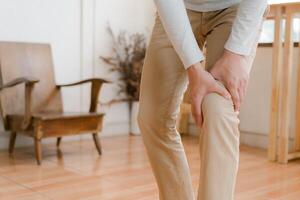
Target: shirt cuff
238 49
192 58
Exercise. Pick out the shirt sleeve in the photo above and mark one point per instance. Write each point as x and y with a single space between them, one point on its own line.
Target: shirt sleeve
179 30
246 26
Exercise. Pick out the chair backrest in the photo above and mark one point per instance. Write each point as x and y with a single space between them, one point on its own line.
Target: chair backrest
33 60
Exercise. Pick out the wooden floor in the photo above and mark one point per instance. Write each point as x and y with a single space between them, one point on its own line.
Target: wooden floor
123 173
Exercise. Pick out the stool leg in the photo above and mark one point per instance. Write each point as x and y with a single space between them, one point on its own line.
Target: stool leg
97 143
38 150
276 67
285 92
12 141
297 132
58 141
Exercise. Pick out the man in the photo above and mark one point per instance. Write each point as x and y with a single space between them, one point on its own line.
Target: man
230 29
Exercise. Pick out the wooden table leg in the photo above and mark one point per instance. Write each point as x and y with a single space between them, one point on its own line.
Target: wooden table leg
297 131
276 66
285 91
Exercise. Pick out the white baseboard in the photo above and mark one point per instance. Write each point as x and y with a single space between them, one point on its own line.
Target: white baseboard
259 140
251 139
254 139
115 128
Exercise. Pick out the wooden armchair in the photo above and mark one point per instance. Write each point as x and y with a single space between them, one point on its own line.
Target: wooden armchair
31 102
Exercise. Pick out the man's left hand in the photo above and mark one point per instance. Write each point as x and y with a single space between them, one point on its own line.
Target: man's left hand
231 70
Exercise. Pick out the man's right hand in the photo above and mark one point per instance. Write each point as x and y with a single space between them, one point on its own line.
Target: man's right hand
202 83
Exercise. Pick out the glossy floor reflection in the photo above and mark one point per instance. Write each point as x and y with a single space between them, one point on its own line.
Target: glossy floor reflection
123 173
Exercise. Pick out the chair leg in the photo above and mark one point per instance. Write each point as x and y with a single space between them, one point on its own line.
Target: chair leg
58 141
97 143
38 150
12 141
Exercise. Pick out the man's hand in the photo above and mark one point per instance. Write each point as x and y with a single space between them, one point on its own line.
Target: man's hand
202 83
231 70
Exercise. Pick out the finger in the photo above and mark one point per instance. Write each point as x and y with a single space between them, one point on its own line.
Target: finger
200 116
222 91
241 92
245 87
197 111
195 114
199 120
235 98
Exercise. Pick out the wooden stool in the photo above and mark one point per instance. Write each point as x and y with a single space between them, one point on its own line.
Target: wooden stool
281 86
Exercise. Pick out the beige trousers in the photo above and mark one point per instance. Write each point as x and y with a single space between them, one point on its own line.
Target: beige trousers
164 81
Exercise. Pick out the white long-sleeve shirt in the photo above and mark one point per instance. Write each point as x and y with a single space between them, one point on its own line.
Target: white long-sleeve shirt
178 28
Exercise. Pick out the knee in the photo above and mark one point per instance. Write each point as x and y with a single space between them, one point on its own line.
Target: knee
221 125
145 115
156 125
216 108
155 120
147 119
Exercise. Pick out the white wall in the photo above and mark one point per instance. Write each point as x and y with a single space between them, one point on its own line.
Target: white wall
132 16
76 31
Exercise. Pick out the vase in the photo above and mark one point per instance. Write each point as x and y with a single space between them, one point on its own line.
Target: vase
134 127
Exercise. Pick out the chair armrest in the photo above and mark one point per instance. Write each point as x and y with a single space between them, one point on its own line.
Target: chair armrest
29 84
17 81
99 80
95 89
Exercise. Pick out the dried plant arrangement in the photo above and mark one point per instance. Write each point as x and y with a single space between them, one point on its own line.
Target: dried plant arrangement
127 60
